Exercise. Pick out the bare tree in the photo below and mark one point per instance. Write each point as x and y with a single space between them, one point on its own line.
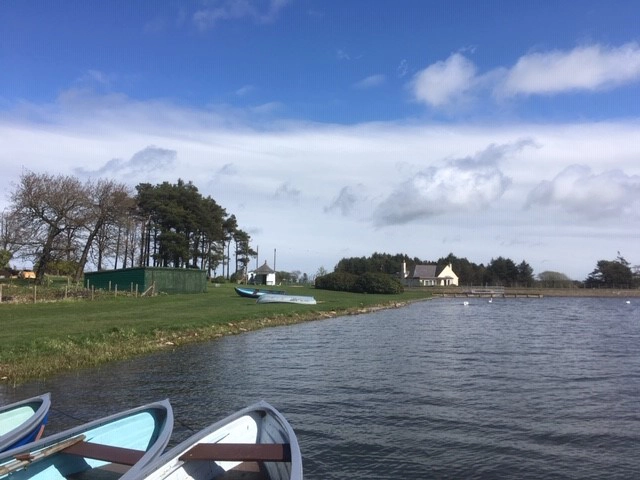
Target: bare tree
10 232
46 206
107 205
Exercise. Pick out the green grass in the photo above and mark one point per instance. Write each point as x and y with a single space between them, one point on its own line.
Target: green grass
42 339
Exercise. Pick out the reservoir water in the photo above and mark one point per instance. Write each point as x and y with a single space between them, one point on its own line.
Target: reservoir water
512 389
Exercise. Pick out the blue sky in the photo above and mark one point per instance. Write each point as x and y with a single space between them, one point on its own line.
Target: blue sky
335 129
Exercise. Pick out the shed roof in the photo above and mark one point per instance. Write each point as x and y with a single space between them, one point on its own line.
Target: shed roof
264 269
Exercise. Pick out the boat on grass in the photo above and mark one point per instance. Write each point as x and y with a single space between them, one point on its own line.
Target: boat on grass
24 421
107 447
255 442
299 299
256 292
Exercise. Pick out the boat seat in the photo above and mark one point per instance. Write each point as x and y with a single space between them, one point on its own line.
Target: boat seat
239 452
107 453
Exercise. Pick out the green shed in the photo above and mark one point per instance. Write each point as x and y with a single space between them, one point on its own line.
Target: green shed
141 279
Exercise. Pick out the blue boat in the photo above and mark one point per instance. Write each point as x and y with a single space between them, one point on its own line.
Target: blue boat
255 442
256 292
109 446
23 422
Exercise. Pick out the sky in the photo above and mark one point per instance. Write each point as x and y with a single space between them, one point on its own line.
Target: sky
336 129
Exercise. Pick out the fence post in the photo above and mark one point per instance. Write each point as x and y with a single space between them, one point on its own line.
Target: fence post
92 291
35 293
109 285
0 293
115 290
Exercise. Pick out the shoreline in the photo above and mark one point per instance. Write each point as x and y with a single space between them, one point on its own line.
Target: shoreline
130 347
123 344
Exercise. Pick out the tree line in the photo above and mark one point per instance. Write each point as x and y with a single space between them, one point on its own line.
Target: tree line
63 224
499 271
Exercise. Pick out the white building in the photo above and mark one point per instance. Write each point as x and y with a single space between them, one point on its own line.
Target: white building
263 275
427 276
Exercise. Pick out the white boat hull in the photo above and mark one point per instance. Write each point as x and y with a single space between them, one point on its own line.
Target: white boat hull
299 299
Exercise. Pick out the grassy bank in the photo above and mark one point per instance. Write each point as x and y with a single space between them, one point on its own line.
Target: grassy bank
42 339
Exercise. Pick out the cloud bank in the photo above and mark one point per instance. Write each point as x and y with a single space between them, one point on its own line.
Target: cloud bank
579 191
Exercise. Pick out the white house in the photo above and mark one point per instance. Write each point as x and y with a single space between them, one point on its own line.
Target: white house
427 276
263 275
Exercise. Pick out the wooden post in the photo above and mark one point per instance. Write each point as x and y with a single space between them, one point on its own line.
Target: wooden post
35 293
109 285
66 290
0 293
92 291
115 290
136 290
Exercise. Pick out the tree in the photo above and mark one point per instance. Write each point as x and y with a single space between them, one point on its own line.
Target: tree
46 207
11 231
611 274
243 252
548 279
229 226
502 271
107 206
181 227
5 258
525 275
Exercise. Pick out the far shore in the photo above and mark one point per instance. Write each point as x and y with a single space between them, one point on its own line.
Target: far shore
537 292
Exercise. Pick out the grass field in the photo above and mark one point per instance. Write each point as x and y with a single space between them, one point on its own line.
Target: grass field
42 339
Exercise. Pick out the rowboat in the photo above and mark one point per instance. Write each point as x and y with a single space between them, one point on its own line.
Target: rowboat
256 292
255 442
300 299
23 422
108 446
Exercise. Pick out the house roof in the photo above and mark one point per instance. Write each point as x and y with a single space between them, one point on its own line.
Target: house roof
423 271
264 270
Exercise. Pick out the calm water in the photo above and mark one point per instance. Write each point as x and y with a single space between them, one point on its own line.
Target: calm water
516 388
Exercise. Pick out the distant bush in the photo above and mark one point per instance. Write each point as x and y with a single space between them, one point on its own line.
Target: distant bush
337 281
365 283
378 283
219 279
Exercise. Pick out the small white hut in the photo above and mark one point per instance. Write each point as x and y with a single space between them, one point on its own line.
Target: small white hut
263 275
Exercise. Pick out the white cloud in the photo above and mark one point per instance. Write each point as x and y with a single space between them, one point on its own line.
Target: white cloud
403 68
469 184
287 192
146 160
371 81
206 18
245 90
347 200
444 82
342 55
578 190
585 68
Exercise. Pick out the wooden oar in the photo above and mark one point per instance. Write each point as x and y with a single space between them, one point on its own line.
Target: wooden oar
24 459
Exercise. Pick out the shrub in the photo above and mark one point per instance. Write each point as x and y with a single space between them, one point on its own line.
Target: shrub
337 281
378 283
365 283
